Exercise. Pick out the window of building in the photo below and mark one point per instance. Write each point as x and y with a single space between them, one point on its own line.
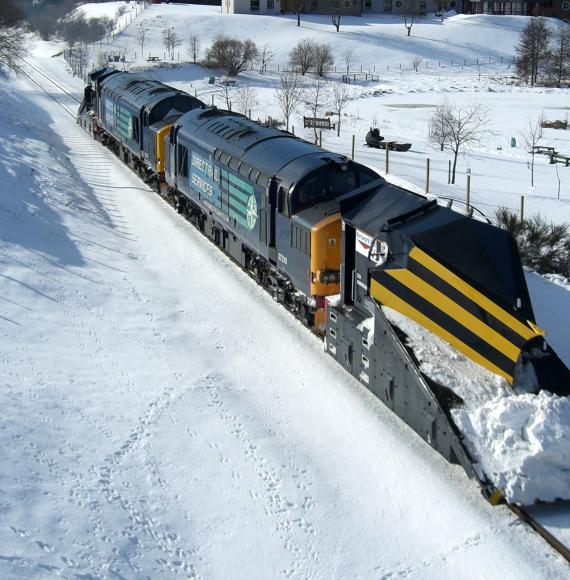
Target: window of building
270 4
398 3
254 5
387 5
314 4
368 4
423 8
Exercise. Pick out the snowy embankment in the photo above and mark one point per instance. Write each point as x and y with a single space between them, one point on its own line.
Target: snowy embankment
164 418
522 441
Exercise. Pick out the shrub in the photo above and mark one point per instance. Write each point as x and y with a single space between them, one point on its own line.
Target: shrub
543 246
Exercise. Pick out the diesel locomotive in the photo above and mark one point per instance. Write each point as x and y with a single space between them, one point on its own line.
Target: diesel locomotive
334 242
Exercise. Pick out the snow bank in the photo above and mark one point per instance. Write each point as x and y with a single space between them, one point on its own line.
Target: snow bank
521 441
523 444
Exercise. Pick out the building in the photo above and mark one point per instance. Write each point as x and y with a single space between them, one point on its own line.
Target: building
251 6
557 8
347 7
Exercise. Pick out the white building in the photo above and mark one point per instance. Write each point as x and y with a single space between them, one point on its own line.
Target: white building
251 6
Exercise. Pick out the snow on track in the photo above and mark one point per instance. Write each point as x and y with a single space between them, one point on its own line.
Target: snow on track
164 418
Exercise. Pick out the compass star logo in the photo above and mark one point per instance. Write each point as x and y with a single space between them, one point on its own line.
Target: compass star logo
251 212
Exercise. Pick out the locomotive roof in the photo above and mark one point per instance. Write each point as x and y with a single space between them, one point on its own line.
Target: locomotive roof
269 150
137 90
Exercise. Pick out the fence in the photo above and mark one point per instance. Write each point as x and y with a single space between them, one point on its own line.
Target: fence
417 173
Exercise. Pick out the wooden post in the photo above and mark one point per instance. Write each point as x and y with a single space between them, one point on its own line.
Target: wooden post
293 129
353 140
320 138
249 114
522 208
387 159
427 175
449 172
212 100
468 192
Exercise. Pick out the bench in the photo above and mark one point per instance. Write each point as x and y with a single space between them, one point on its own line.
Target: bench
153 59
559 158
543 149
318 123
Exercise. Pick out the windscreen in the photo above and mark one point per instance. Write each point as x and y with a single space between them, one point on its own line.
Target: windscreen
328 183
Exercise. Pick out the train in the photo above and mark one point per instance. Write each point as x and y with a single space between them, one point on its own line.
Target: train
336 243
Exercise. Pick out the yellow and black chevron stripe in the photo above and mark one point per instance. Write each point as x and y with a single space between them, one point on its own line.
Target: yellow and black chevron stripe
432 295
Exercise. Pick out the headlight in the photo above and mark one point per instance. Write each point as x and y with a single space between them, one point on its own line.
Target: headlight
329 276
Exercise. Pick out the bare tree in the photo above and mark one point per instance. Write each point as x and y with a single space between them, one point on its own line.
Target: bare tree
264 57
193 46
247 99
463 126
232 54
411 12
340 98
316 96
323 58
142 34
109 25
95 31
303 55
289 95
170 40
73 29
297 6
347 56
12 44
416 61
532 135
559 66
532 49
438 125
225 90
121 11
336 14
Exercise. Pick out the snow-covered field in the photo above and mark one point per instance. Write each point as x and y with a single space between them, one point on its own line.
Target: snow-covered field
163 418
400 102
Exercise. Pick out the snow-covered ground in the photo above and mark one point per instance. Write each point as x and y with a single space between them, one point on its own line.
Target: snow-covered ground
164 418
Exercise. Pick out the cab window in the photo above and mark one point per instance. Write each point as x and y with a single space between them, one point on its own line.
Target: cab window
330 182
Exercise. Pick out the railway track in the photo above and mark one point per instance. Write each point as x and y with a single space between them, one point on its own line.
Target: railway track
519 511
37 83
